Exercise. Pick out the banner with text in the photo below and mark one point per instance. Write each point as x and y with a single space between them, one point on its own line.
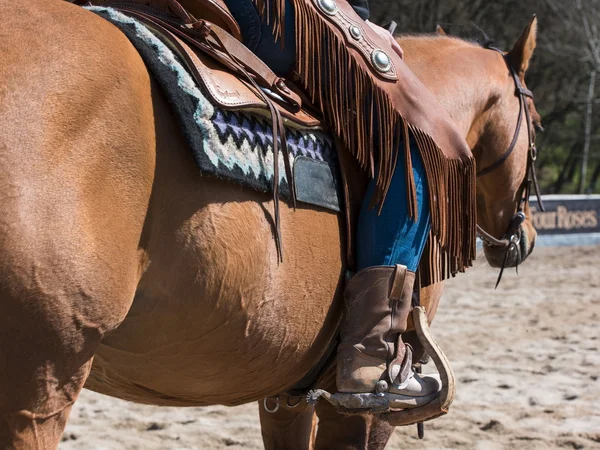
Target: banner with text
567 214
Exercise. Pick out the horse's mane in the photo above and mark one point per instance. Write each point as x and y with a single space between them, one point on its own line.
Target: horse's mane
439 37
483 41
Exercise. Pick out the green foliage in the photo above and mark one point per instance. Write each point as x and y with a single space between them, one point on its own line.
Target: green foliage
568 50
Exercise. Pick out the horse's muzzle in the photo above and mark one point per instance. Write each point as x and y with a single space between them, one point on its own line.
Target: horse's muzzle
513 255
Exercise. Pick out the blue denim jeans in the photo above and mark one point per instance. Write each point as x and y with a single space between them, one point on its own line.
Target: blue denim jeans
258 36
384 239
390 237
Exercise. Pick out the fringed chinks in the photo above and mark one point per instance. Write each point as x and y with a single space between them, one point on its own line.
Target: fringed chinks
374 108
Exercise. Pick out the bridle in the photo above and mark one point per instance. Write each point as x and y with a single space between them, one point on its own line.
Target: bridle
512 237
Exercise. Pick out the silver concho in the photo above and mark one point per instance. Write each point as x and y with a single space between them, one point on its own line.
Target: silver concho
328 7
381 61
355 32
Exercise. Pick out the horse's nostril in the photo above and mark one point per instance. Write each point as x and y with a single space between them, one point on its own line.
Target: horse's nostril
527 244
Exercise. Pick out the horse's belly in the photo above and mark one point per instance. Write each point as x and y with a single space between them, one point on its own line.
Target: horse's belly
226 324
182 355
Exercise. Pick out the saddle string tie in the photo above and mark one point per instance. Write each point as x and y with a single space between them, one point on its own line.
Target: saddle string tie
279 139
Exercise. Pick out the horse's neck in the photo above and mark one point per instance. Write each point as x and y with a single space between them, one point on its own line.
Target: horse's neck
453 70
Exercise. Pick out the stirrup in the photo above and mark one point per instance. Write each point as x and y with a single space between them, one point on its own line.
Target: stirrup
379 402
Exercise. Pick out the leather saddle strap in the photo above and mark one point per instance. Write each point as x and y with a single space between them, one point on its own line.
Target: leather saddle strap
278 135
222 12
219 44
257 67
213 10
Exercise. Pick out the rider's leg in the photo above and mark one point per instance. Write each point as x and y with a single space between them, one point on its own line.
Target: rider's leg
390 245
378 298
391 237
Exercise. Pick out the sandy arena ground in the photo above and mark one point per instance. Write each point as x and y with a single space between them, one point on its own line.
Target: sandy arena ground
527 359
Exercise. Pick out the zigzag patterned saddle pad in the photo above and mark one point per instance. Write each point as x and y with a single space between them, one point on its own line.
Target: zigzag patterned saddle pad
235 145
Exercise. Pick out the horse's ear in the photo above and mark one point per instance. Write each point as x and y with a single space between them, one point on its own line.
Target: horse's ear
522 52
439 30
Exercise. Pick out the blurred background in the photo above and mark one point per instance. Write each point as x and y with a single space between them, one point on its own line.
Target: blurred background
563 74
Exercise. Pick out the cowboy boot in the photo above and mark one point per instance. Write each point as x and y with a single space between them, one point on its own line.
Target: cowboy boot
371 351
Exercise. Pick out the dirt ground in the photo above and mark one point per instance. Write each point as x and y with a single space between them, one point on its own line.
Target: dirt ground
527 359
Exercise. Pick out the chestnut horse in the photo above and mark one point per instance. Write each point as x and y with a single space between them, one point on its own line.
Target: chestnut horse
123 269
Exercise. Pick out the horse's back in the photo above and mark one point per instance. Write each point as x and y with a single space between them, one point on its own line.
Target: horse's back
77 159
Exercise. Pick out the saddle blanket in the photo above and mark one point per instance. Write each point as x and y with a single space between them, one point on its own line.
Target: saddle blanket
235 145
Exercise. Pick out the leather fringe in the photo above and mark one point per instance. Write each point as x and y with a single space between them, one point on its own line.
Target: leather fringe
270 11
356 109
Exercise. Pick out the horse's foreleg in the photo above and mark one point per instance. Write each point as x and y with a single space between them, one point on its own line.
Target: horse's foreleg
77 163
341 431
380 432
289 427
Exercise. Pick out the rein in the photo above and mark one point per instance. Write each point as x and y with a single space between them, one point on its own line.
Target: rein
512 237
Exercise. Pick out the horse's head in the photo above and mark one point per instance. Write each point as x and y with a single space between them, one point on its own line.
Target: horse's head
502 139
484 92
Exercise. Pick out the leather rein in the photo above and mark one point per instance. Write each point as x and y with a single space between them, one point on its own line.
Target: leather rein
512 237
